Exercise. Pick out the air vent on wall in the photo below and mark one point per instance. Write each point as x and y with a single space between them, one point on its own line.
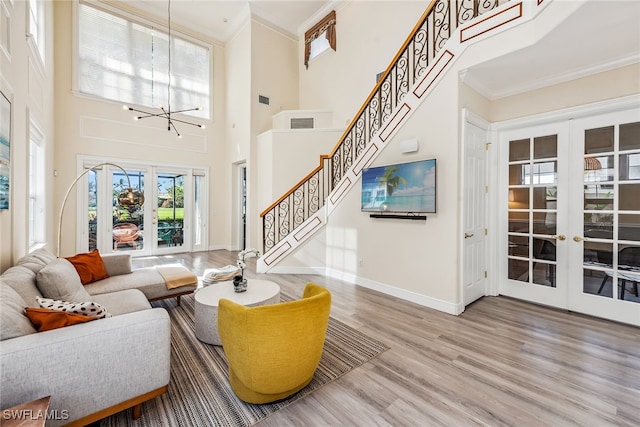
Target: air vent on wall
263 99
302 123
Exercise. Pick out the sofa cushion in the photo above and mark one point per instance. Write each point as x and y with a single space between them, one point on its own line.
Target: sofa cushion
89 308
147 280
13 322
23 281
60 280
89 266
45 319
117 263
123 302
36 260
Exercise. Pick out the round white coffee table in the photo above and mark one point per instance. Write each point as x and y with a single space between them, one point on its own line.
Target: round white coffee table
259 292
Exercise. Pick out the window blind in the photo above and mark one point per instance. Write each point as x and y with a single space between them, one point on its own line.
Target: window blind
127 61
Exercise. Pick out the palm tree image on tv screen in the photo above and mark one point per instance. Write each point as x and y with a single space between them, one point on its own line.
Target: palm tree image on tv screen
400 188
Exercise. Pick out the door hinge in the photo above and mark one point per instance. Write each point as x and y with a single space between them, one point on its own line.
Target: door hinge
486 232
486 188
485 274
487 146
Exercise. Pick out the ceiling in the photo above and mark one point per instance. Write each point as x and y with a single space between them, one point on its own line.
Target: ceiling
220 19
565 52
583 44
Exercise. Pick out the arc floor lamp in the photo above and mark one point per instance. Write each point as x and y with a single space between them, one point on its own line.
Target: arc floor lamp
127 199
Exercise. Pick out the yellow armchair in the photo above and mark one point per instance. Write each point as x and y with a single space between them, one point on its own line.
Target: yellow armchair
274 350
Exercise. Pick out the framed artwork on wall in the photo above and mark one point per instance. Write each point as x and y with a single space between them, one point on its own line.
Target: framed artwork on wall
5 149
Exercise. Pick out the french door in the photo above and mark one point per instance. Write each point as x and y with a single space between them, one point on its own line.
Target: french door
535 165
171 220
605 229
571 227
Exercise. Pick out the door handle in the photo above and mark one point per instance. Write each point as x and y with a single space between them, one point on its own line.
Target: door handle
560 237
577 239
467 235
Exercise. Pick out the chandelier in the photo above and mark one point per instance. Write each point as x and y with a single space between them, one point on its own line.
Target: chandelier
166 113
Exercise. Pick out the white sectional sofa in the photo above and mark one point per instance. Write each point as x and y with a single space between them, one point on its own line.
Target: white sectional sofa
91 370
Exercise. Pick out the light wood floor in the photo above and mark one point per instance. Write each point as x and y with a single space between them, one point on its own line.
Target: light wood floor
502 362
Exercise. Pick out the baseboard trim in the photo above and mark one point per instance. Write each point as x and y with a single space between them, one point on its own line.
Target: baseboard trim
283 269
423 300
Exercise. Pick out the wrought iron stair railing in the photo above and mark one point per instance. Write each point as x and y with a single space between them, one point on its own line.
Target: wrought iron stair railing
427 38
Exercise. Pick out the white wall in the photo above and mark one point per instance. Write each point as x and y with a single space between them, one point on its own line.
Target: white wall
274 74
612 84
238 121
369 34
285 157
29 87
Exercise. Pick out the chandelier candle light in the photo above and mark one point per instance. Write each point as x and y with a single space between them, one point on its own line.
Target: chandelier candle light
165 113
239 282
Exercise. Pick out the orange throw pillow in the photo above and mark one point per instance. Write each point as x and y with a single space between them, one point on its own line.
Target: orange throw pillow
89 266
45 319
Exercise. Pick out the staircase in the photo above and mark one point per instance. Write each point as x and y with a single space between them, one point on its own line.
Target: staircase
445 29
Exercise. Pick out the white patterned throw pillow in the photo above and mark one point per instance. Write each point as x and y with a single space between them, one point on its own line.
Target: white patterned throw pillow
89 309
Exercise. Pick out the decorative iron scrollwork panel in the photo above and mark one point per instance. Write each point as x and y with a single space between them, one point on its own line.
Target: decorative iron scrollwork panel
284 218
428 39
420 50
440 24
268 224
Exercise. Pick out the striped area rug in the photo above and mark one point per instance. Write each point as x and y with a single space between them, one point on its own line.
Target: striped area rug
199 393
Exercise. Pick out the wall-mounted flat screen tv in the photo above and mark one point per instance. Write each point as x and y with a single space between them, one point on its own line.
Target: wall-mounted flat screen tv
400 188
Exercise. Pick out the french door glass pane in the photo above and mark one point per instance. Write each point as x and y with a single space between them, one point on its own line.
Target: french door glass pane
128 223
630 167
170 209
630 136
629 197
533 196
519 174
598 140
519 150
93 210
628 227
545 147
611 265
198 220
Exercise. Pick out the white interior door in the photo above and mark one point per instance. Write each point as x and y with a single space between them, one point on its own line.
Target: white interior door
570 233
535 208
605 231
474 213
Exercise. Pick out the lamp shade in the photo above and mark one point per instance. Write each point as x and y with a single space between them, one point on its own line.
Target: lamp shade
130 199
592 164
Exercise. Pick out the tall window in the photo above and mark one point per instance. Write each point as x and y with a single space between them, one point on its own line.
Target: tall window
36 187
127 60
320 37
36 26
5 30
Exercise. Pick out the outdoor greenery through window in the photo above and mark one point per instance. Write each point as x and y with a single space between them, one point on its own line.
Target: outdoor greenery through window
128 61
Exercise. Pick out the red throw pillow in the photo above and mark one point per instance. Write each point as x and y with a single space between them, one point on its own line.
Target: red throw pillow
89 266
45 319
